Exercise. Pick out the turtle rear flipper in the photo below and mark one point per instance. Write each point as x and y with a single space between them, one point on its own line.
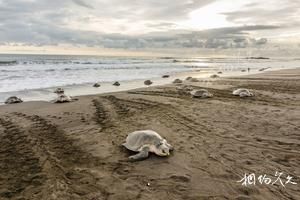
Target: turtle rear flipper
143 154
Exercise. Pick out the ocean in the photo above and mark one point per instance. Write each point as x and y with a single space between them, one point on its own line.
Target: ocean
35 76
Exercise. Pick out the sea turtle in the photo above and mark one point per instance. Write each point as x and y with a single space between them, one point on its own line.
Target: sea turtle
146 141
96 85
242 92
116 83
194 80
59 91
188 78
12 100
214 76
62 98
148 82
165 76
177 81
201 93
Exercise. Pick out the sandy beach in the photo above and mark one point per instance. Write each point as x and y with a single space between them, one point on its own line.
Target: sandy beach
73 150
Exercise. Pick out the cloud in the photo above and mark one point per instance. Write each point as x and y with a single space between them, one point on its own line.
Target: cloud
269 12
139 23
82 3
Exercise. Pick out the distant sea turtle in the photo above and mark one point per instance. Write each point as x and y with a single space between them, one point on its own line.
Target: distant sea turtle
214 76
242 92
96 85
116 83
59 91
165 76
177 81
12 100
62 98
148 82
194 80
146 141
201 93
188 78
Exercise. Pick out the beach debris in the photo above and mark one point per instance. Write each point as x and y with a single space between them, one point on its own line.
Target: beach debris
188 78
165 76
116 83
220 73
177 81
96 85
214 76
146 141
201 93
13 100
59 91
242 92
62 98
148 82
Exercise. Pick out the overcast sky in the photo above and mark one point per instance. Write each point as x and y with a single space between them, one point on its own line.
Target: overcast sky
148 24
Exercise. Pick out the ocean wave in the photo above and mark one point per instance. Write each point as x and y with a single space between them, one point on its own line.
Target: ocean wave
8 63
75 62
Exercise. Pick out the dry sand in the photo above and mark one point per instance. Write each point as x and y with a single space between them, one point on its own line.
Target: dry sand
72 150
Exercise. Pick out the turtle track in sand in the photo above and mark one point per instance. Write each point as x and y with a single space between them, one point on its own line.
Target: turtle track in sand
121 109
218 95
19 166
65 166
74 165
198 134
101 115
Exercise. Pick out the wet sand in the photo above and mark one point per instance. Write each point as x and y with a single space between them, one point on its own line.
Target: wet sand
72 150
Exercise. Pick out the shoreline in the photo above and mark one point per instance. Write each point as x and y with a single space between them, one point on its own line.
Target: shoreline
46 94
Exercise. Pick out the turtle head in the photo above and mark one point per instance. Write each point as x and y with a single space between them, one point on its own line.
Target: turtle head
163 148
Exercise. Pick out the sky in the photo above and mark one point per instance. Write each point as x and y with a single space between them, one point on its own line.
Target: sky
128 27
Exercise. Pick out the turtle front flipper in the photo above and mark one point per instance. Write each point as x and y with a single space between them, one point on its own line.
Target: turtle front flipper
143 154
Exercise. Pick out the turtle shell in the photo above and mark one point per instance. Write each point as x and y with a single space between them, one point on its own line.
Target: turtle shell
199 93
137 139
12 100
238 91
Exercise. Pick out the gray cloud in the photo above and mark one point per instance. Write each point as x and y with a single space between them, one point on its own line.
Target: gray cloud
286 12
45 22
83 3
